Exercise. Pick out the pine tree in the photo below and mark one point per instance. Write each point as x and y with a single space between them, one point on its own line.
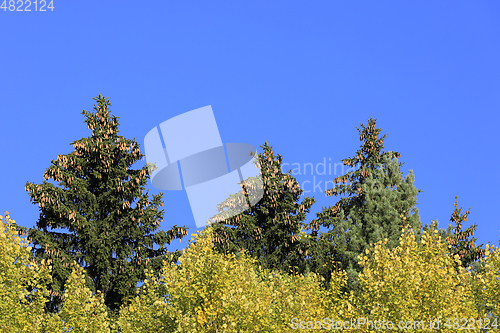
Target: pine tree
377 199
272 229
112 240
463 243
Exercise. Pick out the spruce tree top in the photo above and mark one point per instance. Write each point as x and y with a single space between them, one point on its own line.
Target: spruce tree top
461 241
271 230
107 236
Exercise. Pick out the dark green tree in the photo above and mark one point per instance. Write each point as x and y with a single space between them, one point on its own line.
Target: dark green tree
461 241
112 225
271 229
378 204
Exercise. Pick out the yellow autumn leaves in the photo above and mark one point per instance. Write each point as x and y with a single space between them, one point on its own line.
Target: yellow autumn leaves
211 292
414 282
23 294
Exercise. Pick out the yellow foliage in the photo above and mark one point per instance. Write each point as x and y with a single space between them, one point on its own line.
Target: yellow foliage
210 292
414 282
22 310
81 312
487 285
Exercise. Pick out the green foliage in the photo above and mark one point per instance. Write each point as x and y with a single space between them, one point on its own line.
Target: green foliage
232 277
461 242
272 229
109 238
377 195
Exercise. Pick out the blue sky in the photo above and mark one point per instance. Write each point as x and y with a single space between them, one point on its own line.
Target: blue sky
301 75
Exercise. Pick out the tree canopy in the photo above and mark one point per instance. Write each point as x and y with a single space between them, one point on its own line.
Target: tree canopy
107 235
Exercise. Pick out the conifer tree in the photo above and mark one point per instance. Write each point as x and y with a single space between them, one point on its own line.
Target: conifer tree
461 241
377 197
107 235
272 229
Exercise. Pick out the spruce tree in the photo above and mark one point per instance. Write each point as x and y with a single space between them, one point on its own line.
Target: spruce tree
461 241
272 229
109 236
379 201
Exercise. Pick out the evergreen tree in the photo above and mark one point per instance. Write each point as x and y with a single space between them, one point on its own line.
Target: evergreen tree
461 241
109 238
379 201
272 229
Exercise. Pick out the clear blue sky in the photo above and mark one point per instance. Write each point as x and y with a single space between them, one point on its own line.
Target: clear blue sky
301 75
